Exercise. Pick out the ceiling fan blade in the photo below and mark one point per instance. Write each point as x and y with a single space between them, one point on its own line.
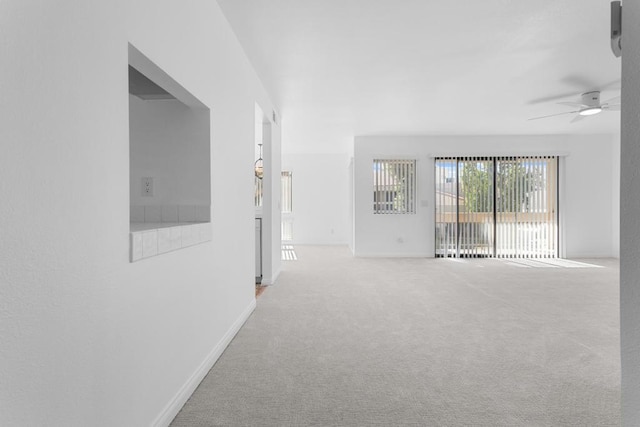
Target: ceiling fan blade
577 118
572 104
586 84
553 98
615 107
580 82
612 100
613 83
553 115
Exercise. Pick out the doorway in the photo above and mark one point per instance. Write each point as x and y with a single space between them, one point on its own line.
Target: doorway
504 207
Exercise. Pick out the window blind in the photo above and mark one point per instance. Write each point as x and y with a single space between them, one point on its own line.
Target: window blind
286 191
394 186
497 206
286 200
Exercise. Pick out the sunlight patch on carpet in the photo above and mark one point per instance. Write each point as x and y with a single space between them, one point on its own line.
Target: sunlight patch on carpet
549 263
289 253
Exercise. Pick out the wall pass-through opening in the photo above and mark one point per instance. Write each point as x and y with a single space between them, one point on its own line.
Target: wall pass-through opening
169 162
505 207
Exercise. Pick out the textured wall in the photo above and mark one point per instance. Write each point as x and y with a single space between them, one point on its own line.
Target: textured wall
170 143
320 197
630 216
89 339
271 242
586 197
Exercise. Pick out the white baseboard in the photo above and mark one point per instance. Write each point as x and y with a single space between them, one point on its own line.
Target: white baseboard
393 255
174 406
583 255
316 243
272 281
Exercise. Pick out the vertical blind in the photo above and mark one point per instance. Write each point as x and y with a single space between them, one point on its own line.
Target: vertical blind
286 191
394 186
286 200
497 206
527 213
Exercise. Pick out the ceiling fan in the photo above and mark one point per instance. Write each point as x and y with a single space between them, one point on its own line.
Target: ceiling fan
589 105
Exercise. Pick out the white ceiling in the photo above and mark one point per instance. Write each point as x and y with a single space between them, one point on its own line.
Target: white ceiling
341 68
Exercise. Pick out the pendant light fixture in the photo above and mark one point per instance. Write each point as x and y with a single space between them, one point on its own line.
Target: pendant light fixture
258 168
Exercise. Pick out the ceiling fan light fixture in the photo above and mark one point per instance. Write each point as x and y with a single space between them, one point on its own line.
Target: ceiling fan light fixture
590 111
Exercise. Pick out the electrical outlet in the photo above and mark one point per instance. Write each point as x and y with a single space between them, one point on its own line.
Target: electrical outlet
147 187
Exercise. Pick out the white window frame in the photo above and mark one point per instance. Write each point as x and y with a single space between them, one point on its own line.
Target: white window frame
394 186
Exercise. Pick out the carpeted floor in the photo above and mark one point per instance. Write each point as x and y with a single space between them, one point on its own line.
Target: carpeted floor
342 341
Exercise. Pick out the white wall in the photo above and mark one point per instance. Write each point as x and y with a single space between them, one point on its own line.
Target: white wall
586 196
615 194
87 337
271 204
320 197
351 207
630 217
170 143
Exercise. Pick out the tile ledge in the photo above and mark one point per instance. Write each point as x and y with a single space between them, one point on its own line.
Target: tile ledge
143 236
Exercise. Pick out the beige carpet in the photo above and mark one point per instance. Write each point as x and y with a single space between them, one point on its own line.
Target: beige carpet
340 341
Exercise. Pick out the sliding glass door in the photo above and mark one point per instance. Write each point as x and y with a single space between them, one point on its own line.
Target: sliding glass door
526 207
447 207
475 207
497 207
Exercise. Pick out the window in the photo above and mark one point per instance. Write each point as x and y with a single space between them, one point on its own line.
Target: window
394 186
286 193
505 207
